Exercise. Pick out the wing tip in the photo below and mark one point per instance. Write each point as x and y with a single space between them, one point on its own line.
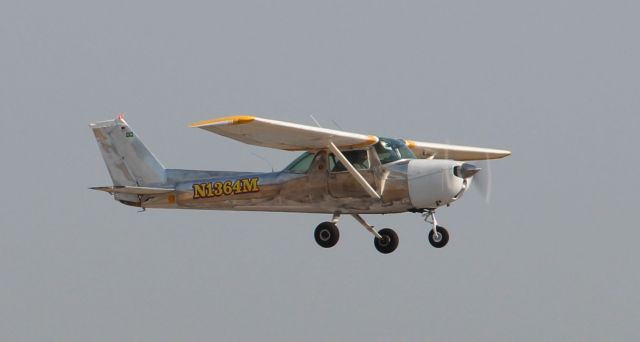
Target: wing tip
496 154
227 120
504 153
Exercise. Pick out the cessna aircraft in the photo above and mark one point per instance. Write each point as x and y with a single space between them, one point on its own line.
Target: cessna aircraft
338 173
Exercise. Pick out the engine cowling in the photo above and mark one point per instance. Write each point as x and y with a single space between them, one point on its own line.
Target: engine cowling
432 183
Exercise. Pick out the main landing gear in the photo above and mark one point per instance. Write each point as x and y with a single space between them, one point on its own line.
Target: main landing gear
385 240
327 234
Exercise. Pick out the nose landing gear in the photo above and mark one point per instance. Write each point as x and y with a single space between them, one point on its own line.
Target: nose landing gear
438 235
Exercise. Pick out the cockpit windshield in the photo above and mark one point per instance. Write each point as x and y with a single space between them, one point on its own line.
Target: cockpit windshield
390 150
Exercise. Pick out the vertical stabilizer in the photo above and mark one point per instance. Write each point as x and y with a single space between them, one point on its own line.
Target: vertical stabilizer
128 160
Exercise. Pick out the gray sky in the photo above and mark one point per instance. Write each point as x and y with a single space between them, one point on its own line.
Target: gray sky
553 256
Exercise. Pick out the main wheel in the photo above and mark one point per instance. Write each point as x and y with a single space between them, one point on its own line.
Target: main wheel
327 234
441 239
389 241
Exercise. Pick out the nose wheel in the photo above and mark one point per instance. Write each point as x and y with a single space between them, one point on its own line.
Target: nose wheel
439 237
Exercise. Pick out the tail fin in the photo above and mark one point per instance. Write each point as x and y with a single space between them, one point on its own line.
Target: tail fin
129 162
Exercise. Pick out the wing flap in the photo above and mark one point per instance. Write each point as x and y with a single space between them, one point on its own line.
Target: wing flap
428 150
283 135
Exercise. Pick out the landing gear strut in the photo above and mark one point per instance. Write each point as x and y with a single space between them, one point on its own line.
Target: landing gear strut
385 240
438 236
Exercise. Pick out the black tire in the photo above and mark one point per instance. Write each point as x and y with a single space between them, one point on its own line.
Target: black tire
444 237
389 241
327 234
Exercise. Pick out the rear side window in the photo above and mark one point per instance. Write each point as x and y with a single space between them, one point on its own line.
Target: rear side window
302 163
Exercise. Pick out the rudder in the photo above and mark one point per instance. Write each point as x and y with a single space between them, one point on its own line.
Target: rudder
129 161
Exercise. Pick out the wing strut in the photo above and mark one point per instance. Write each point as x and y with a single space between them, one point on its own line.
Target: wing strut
352 170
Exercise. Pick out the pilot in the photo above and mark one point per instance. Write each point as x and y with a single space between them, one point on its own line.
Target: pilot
357 158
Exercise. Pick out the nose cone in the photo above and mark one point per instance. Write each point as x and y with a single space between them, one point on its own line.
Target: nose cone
466 170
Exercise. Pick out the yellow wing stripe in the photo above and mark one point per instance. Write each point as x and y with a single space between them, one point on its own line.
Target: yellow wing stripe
371 140
227 120
410 143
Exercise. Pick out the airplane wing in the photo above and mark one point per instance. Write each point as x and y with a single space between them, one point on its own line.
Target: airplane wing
283 135
294 137
428 150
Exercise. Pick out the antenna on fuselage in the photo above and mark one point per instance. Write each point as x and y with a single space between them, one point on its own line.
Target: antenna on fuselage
314 120
319 125
265 159
335 123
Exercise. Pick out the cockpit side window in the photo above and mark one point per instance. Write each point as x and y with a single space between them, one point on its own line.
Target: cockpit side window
301 164
390 150
358 158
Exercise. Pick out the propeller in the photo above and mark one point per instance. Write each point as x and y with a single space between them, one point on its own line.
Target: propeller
482 180
480 173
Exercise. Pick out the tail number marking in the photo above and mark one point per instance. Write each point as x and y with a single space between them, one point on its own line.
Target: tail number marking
225 188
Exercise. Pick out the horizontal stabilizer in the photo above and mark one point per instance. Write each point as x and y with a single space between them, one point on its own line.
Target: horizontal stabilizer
134 190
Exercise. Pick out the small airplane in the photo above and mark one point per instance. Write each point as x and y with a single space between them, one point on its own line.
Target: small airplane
338 173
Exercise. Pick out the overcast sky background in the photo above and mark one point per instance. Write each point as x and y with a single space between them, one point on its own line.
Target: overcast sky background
553 256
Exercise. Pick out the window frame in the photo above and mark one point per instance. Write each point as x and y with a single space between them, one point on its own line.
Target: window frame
336 161
397 145
300 159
